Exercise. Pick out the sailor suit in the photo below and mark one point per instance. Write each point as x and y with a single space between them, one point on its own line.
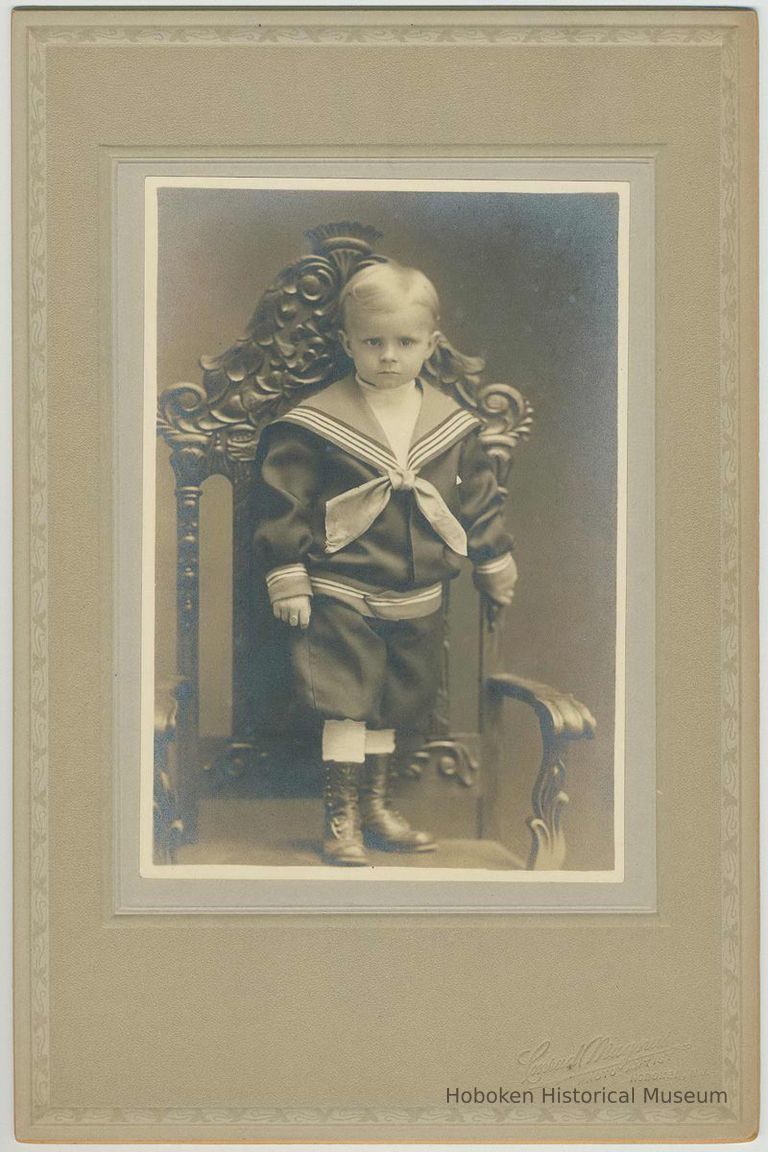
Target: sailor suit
372 534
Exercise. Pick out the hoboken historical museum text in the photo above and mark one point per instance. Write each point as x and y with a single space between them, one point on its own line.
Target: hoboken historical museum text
635 1094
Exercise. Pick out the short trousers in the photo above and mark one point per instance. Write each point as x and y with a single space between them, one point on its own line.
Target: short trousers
386 673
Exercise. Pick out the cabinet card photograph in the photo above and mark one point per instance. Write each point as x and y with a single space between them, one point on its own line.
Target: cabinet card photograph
385 586
385 536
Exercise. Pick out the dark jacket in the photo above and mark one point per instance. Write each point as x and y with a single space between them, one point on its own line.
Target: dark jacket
332 443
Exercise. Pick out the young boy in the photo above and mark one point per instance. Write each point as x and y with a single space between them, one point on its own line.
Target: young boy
373 490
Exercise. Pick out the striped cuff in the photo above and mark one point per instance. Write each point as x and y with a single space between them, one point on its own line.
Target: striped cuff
496 577
290 580
490 567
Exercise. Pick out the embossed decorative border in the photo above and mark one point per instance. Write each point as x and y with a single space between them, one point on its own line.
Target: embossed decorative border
421 36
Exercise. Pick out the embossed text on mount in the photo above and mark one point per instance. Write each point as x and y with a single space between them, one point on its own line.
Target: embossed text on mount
599 1056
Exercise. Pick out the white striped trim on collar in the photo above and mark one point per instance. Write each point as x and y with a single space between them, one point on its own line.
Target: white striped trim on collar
435 442
343 436
441 438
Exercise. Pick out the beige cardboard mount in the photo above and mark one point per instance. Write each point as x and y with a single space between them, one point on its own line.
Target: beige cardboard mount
438 1027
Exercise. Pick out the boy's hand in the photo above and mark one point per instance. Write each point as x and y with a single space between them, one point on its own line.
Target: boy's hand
498 587
294 610
501 599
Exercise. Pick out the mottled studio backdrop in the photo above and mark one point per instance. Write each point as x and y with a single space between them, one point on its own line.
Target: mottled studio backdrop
528 281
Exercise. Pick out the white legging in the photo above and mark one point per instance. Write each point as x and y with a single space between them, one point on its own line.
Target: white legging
349 741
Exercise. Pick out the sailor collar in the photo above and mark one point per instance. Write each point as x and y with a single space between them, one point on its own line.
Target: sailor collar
341 415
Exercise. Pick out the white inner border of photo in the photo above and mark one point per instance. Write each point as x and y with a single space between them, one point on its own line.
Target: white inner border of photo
366 875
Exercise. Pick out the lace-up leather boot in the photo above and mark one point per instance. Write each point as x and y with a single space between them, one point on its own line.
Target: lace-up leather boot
343 840
383 826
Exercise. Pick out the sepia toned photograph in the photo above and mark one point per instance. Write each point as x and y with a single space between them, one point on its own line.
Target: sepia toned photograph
390 534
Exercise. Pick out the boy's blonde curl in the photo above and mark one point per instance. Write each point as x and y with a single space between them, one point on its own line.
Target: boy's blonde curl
386 287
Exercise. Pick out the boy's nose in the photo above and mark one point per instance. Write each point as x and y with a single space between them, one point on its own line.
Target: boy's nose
388 354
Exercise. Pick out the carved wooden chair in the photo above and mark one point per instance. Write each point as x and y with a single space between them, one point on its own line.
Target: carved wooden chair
289 350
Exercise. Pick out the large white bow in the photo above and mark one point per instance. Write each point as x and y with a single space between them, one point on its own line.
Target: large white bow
349 515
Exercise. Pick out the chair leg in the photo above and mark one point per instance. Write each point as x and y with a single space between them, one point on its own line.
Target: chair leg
549 801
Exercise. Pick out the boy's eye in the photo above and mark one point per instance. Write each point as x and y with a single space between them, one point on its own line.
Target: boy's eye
407 341
373 341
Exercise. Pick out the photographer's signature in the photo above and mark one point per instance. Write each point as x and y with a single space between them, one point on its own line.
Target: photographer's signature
601 1056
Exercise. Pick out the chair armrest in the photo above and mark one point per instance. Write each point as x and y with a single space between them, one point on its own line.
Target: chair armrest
566 716
562 718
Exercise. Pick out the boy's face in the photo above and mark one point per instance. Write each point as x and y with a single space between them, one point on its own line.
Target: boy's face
388 348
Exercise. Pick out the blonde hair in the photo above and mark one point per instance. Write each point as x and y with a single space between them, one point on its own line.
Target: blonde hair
385 287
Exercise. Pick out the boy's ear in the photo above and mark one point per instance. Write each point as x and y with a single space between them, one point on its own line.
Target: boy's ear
433 342
344 341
